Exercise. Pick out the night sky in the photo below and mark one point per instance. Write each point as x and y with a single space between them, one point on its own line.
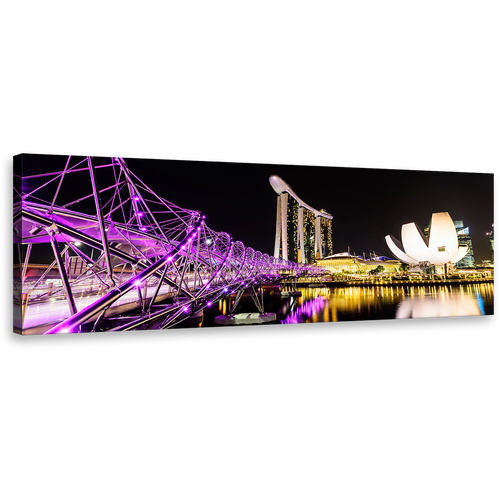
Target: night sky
366 204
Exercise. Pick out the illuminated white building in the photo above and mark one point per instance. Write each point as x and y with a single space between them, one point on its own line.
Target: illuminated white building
464 238
442 248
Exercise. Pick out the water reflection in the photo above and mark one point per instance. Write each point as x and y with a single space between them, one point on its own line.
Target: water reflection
308 309
430 306
358 303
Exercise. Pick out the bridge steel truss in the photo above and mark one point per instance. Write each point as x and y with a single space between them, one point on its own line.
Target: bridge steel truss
141 241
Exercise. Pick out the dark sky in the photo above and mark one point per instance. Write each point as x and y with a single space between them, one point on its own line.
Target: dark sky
366 204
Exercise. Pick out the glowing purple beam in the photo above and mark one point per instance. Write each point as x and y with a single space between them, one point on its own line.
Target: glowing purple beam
74 322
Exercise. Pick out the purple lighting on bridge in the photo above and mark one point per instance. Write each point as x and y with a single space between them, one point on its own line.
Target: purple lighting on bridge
65 330
124 260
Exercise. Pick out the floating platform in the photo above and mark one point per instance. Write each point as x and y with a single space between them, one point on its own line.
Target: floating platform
254 318
284 293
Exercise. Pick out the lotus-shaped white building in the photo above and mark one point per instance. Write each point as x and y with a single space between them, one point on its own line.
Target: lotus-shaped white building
440 248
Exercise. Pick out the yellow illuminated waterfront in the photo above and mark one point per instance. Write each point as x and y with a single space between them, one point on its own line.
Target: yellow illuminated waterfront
381 302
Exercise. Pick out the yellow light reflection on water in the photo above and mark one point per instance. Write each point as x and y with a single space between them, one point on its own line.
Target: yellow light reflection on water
358 302
447 300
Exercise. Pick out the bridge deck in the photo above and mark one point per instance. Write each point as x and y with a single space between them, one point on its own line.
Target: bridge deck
41 316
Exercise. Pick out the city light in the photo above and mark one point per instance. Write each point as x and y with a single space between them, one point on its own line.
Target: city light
82 288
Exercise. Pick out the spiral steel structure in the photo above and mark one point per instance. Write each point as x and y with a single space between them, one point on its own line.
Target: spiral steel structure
146 248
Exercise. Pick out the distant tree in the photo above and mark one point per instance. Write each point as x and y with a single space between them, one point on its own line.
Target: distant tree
403 268
376 270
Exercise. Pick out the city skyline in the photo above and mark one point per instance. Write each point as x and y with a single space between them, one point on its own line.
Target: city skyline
365 203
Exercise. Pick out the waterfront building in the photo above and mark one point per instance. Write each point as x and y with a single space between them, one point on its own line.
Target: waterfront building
354 264
486 264
491 241
464 239
441 248
303 234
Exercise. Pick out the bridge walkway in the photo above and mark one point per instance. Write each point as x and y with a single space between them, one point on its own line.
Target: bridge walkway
41 316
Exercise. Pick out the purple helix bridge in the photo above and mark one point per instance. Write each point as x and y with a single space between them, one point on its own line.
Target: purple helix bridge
124 257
